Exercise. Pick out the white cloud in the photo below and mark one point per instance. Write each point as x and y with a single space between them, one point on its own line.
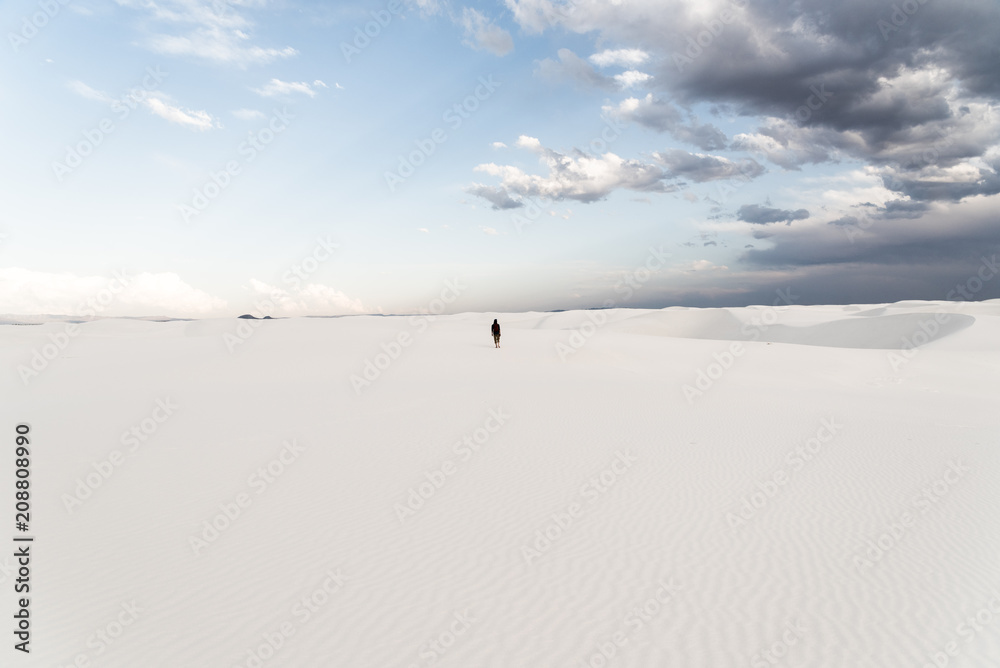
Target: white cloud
489 231
631 78
623 57
160 104
249 114
277 87
498 145
484 35
166 293
310 299
587 178
530 143
424 230
35 292
581 177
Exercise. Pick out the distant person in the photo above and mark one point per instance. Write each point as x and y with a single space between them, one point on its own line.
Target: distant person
496 332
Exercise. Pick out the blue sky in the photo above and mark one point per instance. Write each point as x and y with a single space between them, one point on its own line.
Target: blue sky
882 188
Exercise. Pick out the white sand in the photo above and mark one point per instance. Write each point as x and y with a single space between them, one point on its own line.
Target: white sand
683 512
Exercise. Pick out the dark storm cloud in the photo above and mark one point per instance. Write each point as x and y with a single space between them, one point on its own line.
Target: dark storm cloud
908 88
854 283
701 168
838 53
917 188
899 208
883 81
946 234
859 77
761 215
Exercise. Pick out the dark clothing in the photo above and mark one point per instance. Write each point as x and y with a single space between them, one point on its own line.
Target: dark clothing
496 329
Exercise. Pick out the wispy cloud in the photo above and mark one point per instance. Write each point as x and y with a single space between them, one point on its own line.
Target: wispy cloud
160 105
215 31
483 34
278 88
249 114
83 90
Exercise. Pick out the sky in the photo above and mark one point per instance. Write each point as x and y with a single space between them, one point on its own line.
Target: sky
208 158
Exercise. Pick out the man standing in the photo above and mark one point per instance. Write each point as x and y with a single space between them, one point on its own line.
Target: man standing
496 332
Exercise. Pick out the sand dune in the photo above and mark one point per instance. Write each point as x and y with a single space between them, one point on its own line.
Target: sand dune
393 491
